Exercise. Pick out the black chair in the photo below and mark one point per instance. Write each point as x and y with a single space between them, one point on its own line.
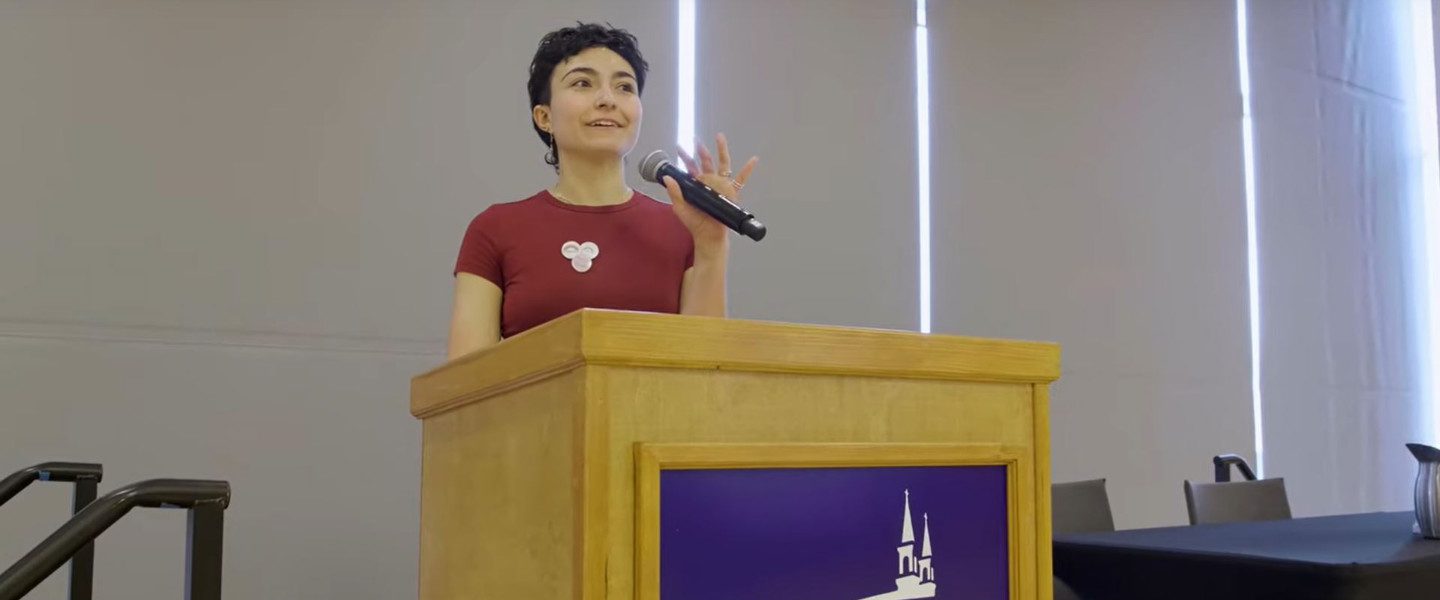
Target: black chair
86 477
1223 463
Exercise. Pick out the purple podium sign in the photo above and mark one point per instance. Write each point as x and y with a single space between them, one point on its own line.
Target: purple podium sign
835 533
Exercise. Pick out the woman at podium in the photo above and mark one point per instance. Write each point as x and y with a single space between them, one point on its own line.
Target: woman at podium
589 240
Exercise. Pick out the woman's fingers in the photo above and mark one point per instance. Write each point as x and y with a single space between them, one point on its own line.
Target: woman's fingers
722 151
676 197
690 166
707 162
744 173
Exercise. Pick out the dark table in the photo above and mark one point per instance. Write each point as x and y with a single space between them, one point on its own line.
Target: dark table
1351 557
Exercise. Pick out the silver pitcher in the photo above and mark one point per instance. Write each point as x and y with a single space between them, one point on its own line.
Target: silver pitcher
1427 490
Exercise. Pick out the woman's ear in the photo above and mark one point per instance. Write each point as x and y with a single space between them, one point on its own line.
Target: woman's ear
541 114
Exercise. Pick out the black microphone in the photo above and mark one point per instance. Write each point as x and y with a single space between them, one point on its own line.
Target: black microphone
657 166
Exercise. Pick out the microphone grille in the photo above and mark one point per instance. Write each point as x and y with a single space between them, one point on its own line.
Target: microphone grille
650 167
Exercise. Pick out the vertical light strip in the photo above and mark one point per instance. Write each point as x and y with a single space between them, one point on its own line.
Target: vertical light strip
1429 281
922 126
1247 133
685 105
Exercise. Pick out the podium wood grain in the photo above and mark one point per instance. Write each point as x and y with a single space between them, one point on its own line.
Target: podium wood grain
529 474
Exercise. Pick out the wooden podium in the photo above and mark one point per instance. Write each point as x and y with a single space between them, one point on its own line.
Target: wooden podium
545 456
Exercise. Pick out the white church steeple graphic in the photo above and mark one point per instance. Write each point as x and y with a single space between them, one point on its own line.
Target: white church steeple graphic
916 578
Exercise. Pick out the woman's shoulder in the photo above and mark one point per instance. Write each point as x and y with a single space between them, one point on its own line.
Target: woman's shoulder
514 205
500 212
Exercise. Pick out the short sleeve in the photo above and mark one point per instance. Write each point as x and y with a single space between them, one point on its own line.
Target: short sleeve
479 255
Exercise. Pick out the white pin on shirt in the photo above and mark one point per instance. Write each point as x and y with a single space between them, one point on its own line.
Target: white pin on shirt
582 255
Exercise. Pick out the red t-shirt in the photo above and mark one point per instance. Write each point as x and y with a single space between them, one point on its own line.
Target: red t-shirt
551 258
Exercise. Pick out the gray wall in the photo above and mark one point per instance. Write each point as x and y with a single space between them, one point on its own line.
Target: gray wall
228 229
226 232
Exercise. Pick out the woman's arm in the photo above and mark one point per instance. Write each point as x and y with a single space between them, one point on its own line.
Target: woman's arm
475 318
702 292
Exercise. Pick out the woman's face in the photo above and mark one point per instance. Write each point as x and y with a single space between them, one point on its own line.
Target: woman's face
594 104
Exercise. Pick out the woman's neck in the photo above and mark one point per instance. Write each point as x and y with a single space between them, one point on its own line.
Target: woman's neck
591 183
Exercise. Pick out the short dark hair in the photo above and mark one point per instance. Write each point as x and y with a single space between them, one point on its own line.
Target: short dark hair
559 45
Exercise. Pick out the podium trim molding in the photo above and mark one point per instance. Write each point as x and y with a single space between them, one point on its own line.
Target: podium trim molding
592 337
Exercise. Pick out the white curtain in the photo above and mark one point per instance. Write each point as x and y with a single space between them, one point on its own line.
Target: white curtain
1337 176
1089 189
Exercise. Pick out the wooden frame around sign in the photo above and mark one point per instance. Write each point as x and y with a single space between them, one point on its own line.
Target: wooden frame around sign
651 459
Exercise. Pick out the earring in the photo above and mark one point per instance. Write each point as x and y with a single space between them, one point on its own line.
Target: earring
552 154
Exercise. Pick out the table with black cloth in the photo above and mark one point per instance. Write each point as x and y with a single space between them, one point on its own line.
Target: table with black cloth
1351 557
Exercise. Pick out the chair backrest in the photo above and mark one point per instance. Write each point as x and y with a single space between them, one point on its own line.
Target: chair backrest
1236 501
1080 507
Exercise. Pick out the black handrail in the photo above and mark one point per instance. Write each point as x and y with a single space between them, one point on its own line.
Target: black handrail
206 501
1222 467
86 477
50 471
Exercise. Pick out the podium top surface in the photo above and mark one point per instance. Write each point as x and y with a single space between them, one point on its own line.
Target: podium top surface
632 339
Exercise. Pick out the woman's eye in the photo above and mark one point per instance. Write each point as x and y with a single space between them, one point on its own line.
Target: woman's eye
580 83
627 87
